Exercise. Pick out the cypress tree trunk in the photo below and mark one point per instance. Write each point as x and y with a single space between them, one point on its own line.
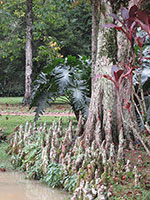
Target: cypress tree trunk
28 67
102 112
104 119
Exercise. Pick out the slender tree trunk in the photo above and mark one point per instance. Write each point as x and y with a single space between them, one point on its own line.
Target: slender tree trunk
28 67
95 27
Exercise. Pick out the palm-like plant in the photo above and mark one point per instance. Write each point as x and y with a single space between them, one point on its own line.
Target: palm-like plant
69 78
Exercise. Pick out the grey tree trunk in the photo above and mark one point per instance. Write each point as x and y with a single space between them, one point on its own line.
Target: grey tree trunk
95 25
104 115
28 67
103 101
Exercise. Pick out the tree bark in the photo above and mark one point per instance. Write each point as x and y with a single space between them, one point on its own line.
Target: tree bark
104 113
28 67
95 25
100 122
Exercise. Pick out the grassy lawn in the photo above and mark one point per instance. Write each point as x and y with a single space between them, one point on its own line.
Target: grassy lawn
14 104
18 100
9 122
11 100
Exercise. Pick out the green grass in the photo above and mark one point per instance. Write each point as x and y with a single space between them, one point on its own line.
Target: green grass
9 123
11 100
18 100
13 104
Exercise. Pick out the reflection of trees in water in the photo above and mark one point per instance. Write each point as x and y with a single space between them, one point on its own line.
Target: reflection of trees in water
28 190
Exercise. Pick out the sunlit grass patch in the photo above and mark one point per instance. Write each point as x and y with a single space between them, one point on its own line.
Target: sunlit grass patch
11 100
18 100
9 123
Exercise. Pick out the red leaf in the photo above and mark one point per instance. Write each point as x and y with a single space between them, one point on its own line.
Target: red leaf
143 16
3 169
132 11
16 129
123 177
119 28
109 78
147 58
132 26
117 74
145 27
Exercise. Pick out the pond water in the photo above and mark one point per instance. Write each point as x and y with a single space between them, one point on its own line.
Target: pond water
13 186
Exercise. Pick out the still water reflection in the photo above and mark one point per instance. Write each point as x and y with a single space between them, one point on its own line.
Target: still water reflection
13 186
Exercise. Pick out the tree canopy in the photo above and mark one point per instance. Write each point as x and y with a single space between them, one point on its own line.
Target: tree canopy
53 21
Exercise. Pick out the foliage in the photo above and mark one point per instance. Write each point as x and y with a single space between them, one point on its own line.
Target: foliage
4 159
27 152
129 24
131 20
54 175
33 158
53 22
12 23
69 77
70 183
50 155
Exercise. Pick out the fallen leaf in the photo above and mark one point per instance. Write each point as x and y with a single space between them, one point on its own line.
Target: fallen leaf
3 169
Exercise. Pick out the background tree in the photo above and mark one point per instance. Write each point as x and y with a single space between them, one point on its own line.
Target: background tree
12 59
28 71
54 21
